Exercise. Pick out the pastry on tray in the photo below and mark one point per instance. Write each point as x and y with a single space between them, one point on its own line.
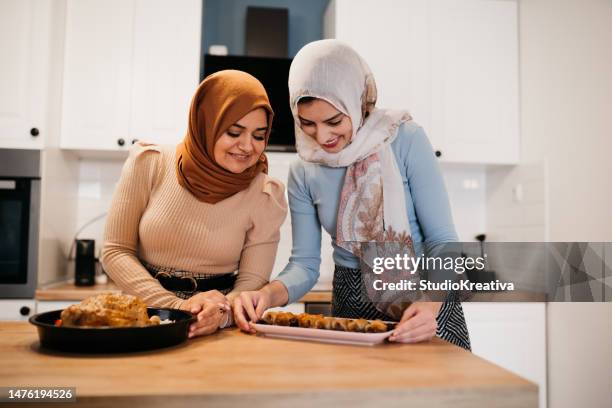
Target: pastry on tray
281 318
317 321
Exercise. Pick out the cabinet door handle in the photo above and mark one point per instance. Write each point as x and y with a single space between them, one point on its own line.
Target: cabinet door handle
34 132
134 141
120 142
24 311
438 153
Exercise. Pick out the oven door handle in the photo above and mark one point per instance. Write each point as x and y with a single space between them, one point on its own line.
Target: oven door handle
8 184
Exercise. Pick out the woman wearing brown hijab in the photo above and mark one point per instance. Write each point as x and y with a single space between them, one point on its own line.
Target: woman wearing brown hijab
192 226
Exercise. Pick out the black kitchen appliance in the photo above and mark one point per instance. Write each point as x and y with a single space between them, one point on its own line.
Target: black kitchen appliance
266 33
19 222
485 275
85 265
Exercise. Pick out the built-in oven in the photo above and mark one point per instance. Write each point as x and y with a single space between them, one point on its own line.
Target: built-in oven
19 223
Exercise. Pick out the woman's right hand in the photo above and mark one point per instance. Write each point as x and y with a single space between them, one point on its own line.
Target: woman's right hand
250 306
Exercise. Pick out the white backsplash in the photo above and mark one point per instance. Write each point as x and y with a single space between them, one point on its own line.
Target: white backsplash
465 184
516 203
97 180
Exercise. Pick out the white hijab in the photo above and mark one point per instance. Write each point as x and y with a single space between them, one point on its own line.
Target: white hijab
333 71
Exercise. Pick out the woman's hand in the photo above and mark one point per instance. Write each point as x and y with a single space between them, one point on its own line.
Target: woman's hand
418 323
250 306
194 304
210 308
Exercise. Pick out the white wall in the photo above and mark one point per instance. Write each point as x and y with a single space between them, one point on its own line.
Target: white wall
59 181
566 96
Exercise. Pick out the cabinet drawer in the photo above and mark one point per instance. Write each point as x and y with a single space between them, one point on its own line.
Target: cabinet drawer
47 306
17 309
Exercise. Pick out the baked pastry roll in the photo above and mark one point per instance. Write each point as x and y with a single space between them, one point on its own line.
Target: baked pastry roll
308 320
319 321
280 318
376 326
325 323
357 325
269 317
340 324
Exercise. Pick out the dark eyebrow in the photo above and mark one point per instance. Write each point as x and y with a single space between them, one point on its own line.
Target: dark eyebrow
326 120
242 127
333 117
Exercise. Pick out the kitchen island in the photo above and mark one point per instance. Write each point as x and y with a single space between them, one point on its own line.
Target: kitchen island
231 368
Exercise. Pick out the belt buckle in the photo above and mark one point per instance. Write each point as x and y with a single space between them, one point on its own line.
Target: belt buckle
162 274
193 281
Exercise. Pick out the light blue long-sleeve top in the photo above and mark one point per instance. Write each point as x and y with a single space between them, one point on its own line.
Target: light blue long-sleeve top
314 193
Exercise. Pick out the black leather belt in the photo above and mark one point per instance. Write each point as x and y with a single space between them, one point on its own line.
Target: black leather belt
191 284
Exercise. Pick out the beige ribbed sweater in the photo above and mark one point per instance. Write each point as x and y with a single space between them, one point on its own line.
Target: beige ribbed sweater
152 218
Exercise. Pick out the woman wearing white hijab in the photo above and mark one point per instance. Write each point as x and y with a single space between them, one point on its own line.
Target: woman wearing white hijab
366 175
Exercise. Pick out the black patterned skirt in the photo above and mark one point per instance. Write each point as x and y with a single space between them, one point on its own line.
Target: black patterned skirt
348 301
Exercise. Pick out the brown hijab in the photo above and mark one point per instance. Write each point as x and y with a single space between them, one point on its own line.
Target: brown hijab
220 101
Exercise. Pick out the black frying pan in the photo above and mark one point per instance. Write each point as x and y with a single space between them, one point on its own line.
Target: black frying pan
113 339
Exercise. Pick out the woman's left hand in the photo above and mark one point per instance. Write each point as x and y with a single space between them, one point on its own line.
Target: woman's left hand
210 308
208 319
418 323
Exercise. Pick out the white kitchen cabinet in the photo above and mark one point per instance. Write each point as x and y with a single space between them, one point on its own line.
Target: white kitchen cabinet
511 335
17 309
97 73
43 306
452 63
474 80
25 27
131 67
165 69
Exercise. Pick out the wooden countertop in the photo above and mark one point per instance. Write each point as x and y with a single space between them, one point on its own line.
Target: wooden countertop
230 367
69 291
66 291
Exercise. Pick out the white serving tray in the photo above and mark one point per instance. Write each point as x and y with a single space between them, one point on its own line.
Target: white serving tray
321 335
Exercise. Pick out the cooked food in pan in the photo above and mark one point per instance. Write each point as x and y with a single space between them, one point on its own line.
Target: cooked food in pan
108 309
318 321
